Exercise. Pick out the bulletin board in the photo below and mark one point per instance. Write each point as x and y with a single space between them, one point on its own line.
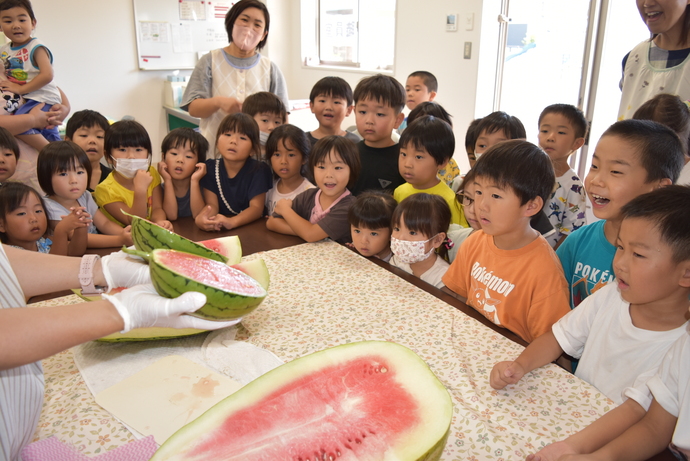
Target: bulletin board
172 34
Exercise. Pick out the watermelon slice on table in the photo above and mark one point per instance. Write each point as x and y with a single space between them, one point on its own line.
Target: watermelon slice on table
361 401
230 247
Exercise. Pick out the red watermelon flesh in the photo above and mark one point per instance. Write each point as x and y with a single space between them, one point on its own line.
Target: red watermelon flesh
230 247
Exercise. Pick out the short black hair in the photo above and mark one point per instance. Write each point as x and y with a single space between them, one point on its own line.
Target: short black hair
382 88
659 147
428 214
471 135
669 110
431 134
125 133
429 108
235 12
571 113
26 4
85 119
179 137
8 141
264 101
344 147
12 194
334 87
297 138
428 78
244 124
57 157
372 209
520 165
500 121
668 208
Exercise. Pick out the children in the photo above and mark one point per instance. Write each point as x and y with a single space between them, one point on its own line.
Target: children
562 130
184 153
451 171
471 140
134 185
330 101
379 101
513 181
497 127
235 184
64 171
652 265
23 221
28 67
268 111
421 86
319 213
87 129
632 157
287 150
9 154
370 224
420 223
425 148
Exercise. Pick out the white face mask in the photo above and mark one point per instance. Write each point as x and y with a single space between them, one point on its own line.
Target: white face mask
263 137
245 38
128 167
409 251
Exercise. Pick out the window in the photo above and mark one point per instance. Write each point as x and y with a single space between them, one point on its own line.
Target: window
348 33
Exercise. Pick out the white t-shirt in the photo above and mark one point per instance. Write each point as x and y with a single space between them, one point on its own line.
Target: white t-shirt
432 276
272 196
56 211
612 351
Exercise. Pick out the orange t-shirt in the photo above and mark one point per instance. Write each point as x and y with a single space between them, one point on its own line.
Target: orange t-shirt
523 290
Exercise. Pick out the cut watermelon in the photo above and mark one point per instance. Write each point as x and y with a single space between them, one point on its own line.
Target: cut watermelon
361 401
230 247
150 334
256 269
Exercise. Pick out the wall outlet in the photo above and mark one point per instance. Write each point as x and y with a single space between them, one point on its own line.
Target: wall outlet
467 54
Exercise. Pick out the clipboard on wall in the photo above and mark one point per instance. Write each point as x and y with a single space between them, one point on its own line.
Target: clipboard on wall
172 34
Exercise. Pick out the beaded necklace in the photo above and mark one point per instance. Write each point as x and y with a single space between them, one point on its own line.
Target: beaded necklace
220 189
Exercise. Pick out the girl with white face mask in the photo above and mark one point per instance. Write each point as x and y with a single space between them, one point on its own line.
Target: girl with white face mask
419 242
134 186
223 78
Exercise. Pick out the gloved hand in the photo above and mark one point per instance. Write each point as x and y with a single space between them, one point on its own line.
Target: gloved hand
123 270
142 307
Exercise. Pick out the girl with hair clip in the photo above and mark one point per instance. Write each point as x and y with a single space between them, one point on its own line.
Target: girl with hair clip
287 151
670 110
236 183
134 186
64 173
419 241
370 224
319 213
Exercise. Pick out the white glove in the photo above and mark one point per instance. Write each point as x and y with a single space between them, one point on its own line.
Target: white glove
123 270
142 307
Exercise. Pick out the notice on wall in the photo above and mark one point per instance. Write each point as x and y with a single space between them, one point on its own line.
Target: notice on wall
154 31
182 38
220 8
192 10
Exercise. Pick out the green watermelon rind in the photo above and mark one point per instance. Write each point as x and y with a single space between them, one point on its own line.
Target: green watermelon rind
148 236
220 304
150 334
434 397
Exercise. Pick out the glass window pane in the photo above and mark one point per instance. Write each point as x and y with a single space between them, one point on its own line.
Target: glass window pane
338 31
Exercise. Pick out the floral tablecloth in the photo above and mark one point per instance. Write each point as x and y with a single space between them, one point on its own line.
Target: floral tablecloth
322 295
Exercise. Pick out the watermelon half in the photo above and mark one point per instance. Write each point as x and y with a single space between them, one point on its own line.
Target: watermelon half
361 401
150 334
230 293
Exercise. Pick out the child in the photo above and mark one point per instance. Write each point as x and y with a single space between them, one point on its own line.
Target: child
184 153
287 150
456 233
64 171
235 184
632 157
87 128
9 154
268 111
451 171
512 182
471 140
330 101
420 223
370 224
319 213
659 270
23 222
562 130
425 148
134 185
669 110
28 67
379 101
421 86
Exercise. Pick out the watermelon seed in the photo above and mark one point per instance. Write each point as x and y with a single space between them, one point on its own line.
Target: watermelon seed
331 457
384 369
337 452
346 446
358 441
